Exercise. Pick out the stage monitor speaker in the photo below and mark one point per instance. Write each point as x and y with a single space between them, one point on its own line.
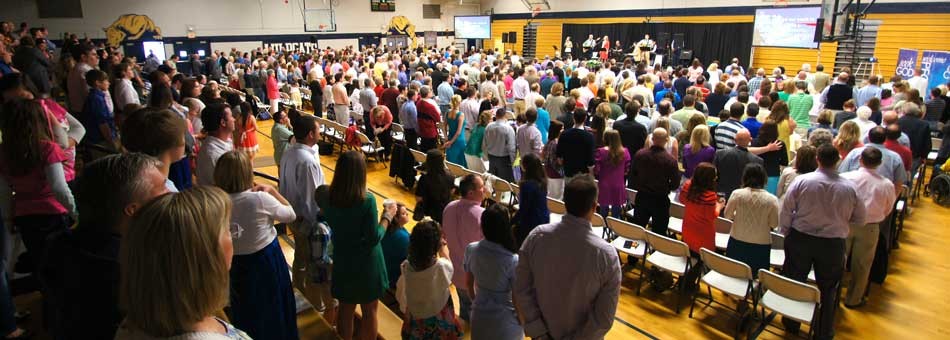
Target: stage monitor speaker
513 37
819 27
504 37
686 55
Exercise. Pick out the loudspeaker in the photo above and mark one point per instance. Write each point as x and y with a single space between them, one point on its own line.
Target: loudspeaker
504 37
686 55
513 37
819 28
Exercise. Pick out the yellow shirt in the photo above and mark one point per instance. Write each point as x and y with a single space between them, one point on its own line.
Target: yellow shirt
784 135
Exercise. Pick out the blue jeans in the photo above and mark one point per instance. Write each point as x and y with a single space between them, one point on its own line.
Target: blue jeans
7 308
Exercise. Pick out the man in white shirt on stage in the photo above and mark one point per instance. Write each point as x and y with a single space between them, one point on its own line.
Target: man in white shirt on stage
644 54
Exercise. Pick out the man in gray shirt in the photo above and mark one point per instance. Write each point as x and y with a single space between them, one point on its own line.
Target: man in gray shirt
590 273
368 101
499 145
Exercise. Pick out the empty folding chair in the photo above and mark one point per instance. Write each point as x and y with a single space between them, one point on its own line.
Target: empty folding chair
677 211
789 298
557 209
398 132
777 253
599 226
371 148
728 276
670 256
502 192
631 202
723 227
631 239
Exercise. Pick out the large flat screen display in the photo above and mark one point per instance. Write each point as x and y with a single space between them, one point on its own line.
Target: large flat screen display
786 27
473 27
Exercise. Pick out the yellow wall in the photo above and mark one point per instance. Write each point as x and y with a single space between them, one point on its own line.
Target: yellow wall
793 58
915 31
918 31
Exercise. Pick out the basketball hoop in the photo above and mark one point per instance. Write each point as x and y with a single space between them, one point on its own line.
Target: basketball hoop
781 3
536 11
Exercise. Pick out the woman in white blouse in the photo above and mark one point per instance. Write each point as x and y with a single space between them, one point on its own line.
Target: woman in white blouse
262 300
423 289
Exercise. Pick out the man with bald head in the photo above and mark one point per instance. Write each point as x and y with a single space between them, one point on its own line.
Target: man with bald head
730 162
890 118
834 96
654 174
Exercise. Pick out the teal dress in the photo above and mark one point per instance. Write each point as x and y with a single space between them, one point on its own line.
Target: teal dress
359 268
456 152
474 147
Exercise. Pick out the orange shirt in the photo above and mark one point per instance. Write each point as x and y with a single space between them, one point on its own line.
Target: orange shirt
699 220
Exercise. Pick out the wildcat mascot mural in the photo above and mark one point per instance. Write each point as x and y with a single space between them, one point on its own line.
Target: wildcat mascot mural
131 27
401 25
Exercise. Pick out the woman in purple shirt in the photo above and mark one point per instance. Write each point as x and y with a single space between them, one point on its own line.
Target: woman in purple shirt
610 166
697 151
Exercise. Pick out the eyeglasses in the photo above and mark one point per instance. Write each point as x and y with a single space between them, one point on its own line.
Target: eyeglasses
236 230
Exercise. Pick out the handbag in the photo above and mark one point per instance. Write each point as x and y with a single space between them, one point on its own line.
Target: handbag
418 213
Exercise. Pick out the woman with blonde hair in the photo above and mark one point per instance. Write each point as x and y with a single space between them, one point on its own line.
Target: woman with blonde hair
175 265
714 74
263 301
698 150
611 163
788 89
849 138
455 124
684 136
598 124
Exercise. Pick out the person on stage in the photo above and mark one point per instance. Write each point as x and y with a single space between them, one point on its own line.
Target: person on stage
588 46
604 49
568 47
644 48
617 51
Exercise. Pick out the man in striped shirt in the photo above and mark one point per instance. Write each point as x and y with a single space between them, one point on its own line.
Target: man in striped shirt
726 131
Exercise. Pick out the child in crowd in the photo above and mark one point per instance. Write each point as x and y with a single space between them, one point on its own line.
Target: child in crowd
395 243
423 289
98 115
320 265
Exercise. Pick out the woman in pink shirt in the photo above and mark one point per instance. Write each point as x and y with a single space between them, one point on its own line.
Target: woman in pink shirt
273 94
31 164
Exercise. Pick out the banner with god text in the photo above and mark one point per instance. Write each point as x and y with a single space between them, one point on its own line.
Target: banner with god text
906 63
939 70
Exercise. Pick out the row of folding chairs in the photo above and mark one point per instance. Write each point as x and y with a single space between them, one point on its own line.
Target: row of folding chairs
335 133
772 292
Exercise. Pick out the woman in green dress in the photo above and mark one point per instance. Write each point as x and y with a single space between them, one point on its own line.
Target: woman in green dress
455 146
359 269
473 150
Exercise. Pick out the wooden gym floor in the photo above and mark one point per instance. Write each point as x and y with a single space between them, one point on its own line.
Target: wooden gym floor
911 304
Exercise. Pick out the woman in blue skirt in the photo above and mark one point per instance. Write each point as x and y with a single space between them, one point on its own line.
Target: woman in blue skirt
754 212
262 300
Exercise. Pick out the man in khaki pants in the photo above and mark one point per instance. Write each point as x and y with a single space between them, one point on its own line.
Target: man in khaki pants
878 195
